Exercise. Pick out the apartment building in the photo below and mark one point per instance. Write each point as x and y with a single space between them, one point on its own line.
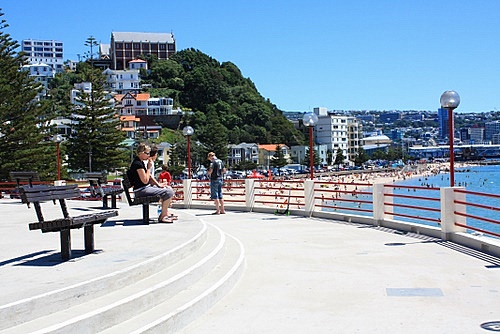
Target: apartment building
127 46
243 152
336 132
47 52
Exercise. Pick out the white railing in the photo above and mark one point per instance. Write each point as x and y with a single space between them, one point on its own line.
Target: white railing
307 197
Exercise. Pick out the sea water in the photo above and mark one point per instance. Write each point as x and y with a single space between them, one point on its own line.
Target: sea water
481 179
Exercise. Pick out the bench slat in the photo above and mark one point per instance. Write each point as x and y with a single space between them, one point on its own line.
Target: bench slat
72 222
44 193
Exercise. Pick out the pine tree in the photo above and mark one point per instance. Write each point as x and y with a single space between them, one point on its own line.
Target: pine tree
23 120
278 160
94 144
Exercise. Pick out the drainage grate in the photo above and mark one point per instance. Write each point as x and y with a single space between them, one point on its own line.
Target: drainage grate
493 326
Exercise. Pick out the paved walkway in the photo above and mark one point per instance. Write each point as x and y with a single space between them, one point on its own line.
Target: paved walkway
302 275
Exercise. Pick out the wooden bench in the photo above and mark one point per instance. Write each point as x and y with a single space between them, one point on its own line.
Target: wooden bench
144 201
44 193
26 176
23 178
98 188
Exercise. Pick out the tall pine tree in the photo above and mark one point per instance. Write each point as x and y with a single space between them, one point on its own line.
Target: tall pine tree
23 120
94 144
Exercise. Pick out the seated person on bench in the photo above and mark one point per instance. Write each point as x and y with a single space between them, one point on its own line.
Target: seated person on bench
140 177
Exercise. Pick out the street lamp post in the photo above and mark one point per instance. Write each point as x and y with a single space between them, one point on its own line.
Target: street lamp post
58 139
188 132
310 119
450 100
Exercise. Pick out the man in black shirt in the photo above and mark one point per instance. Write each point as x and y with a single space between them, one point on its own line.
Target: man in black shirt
216 172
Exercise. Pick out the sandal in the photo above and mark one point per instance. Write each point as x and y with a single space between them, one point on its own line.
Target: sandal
167 220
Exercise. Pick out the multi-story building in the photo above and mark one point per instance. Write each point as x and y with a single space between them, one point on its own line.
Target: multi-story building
47 52
491 129
443 124
336 132
243 152
476 135
42 73
127 46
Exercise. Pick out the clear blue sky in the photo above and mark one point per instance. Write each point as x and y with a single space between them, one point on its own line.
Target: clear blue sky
350 55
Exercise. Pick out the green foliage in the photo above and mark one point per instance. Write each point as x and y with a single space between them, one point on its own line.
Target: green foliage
24 121
316 158
278 160
339 157
361 157
219 96
95 142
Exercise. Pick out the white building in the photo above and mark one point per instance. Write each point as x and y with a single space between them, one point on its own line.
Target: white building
336 132
122 81
160 106
48 52
42 73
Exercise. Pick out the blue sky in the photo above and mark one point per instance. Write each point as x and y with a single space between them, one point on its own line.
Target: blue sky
349 55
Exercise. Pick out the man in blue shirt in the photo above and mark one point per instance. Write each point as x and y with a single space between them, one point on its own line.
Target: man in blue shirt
216 172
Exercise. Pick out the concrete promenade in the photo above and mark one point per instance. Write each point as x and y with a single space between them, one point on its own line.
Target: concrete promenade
302 275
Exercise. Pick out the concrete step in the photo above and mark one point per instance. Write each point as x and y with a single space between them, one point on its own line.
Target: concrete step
193 283
43 310
177 312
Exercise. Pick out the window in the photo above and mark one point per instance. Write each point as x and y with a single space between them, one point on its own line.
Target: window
137 46
127 45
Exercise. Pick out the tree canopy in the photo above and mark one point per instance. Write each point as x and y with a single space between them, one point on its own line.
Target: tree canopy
24 120
226 107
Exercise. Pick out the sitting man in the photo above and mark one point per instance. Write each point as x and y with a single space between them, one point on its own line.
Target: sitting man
140 177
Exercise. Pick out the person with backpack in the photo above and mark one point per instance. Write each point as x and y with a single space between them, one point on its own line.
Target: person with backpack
215 172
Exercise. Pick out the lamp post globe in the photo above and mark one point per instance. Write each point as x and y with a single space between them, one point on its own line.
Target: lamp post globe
188 132
450 100
310 119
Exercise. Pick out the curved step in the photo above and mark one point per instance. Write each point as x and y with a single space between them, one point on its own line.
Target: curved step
148 294
180 310
28 310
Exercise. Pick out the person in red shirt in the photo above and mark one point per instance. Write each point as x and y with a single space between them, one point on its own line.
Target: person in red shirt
165 177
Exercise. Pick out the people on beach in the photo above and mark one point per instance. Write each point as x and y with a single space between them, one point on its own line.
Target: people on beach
140 177
216 173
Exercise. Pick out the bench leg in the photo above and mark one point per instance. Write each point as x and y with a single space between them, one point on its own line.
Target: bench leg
113 201
65 244
88 233
105 201
145 213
